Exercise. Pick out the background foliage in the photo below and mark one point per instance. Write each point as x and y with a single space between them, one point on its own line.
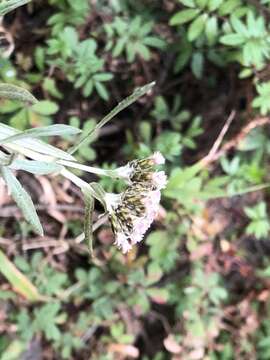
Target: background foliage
198 286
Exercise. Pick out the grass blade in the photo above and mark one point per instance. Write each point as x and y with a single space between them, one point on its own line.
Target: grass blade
19 282
121 106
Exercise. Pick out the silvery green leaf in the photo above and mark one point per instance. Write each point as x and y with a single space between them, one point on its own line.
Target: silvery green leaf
88 219
39 147
35 167
98 192
22 199
121 106
6 160
33 144
52 130
9 5
13 92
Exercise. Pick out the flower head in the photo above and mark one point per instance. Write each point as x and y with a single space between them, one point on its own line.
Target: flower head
142 171
158 158
131 213
159 179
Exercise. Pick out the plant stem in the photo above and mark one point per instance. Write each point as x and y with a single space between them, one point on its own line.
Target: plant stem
90 169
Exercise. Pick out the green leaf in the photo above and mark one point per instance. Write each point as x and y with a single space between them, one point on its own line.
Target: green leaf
184 16
252 54
196 27
246 72
239 27
131 52
119 47
9 5
20 119
15 349
259 228
13 92
232 39
143 51
188 3
183 56
201 3
157 245
35 167
49 85
18 281
6 160
262 100
39 56
45 107
97 191
121 106
88 88
197 63
184 185
32 144
88 219
154 42
227 7
101 90
154 273
158 295
45 319
169 143
103 77
39 147
52 130
8 106
211 29
214 4
22 199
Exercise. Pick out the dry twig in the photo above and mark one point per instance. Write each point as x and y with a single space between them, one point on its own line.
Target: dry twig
214 154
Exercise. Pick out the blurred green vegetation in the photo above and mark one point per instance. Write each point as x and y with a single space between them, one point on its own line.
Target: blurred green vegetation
197 287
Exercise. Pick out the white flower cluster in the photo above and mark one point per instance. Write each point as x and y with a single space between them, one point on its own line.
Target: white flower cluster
133 211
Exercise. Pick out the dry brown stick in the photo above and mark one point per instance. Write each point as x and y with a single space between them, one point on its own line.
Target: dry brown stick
241 136
9 210
234 142
44 242
212 153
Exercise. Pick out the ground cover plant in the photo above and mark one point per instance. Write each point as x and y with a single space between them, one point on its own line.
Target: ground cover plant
106 97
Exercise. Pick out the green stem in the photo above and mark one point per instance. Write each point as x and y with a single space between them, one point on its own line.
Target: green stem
121 106
91 169
77 181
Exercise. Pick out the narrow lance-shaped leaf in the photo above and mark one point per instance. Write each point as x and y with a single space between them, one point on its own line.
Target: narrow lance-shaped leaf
19 282
88 219
13 92
36 167
22 199
9 5
184 16
6 160
98 192
35 145
52 130
121 106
